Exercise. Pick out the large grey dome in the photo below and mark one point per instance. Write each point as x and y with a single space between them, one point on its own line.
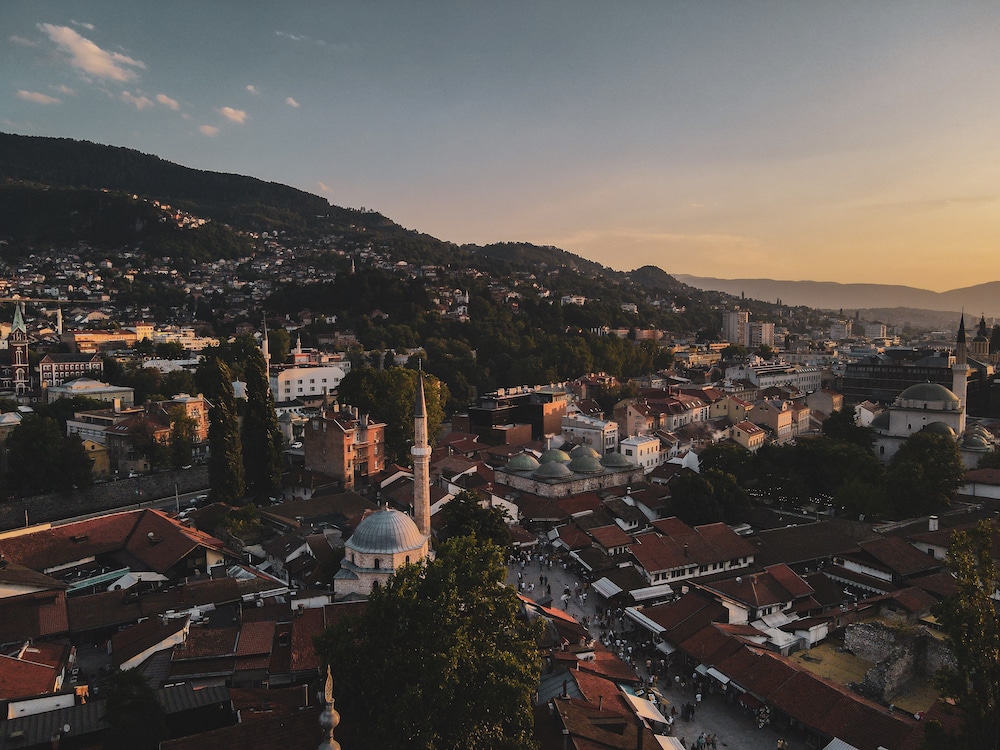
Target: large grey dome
554 454
615 460
586 465
386 532
939 428
552 470
522 462
585 451
929 392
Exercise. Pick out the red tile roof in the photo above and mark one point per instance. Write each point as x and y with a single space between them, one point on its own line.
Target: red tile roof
21 679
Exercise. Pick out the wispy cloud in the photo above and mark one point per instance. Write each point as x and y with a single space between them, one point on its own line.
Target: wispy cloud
166 101
292 103
299 37
140 102
62 88
323 187
82 25
90 58
252 89
20 40
37 97
236 115
208 130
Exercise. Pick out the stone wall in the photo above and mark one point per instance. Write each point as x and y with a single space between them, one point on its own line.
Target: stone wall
122 494
902 653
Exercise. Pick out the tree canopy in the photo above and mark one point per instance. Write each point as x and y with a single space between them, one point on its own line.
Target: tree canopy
970 622
924 474
465 515
134 715
225 461
445 635
261 439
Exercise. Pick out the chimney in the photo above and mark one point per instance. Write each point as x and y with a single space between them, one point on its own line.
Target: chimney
118 405
932 523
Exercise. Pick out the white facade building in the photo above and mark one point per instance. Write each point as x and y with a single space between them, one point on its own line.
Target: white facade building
303 382
642 450
599 434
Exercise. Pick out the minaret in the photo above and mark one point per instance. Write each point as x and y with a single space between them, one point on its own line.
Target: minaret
265 347
421 453
960 370
18 345
329 718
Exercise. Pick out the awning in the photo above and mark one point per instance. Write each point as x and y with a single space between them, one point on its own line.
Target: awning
668 743
606 588
666 648
713 672
638 617
651 592
644 708
701 669
580 560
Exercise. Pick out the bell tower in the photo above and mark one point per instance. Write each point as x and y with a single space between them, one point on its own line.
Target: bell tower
18 345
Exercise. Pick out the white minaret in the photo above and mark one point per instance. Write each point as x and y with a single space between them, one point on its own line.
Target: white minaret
960 370
265 348
421 453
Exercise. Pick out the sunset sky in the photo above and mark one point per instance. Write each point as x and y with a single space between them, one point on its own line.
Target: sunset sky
840 141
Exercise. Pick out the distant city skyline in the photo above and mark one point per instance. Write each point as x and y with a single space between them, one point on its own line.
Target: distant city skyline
834 142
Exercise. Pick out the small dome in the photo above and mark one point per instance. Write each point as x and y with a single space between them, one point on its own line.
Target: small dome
616 461
975 442
929 392
552 470
939 428
386 532
584 450
554 454
585 465
522 462
978 429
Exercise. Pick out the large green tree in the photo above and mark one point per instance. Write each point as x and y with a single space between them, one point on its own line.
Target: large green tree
924 474
135 717
225 460
40 458
439 660
970 622
261 437
465 515
388 396
841 425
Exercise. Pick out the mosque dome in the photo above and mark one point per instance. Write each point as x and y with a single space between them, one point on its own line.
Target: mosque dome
616 460
584 450
585 465
386 532
939 428
552 470
975 442
522 462
929 392
554 454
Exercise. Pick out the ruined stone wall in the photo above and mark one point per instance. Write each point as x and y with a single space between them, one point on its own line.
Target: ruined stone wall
901 654
122 494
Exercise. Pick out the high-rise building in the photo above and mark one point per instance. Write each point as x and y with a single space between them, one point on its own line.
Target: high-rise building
735 327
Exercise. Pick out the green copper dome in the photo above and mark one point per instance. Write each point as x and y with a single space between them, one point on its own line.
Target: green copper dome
552 470
554 454
616 461
939 428
584 450
522 462
585 465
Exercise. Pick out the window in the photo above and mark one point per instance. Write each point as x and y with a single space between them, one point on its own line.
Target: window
378 563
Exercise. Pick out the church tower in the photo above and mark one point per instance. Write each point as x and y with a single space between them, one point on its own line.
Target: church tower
421 453
960 370
979 348
18 345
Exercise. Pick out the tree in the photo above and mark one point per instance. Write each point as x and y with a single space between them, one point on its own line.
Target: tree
261 437
388 396
693 499
969 620
465 515
733 351
135 717
841 425
278 345
182 429
225 461
466 652
924 474
44 458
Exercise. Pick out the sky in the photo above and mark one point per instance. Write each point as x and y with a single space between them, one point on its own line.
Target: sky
843 141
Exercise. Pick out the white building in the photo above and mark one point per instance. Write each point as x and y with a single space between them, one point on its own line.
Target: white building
303 382
642 450
761 334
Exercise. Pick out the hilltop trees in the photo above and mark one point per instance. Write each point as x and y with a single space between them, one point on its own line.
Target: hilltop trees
444 635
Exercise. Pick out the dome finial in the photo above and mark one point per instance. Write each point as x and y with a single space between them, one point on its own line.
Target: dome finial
329 718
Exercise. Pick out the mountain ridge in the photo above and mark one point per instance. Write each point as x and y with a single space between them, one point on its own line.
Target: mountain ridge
830 295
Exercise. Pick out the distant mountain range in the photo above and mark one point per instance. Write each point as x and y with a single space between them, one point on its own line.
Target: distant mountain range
982 299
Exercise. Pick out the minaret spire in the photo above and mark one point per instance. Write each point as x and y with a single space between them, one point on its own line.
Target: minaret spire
265 346
329 719
421 453
960 370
